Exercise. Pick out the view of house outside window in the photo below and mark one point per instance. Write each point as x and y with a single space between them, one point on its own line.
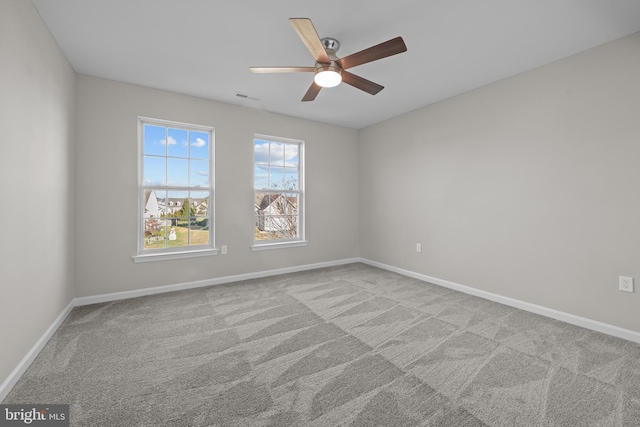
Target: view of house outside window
177 186
278 190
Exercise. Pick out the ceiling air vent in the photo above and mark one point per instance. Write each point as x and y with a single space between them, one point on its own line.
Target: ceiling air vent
243 96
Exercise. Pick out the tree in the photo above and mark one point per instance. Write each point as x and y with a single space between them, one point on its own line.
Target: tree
152 227
186 210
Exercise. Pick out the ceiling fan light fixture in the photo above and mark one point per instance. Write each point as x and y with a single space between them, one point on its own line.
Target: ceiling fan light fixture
327 76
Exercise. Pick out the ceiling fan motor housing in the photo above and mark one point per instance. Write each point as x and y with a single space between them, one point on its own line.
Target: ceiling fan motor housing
330 43
330 72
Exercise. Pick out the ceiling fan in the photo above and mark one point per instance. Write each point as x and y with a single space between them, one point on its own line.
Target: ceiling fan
329 69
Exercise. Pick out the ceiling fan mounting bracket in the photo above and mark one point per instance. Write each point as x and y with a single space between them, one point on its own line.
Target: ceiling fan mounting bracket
330 43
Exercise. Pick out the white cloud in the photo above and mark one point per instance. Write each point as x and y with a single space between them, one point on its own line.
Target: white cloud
291 152
172 141
199 143
203 173
262 153
289 155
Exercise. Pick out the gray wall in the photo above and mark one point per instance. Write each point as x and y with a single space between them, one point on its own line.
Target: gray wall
106 224
528 188
36 181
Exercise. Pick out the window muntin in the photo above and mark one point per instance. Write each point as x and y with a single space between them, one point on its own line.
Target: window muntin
176 170
278 195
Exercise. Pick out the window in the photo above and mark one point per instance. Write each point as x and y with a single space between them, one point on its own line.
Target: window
176 190
278 183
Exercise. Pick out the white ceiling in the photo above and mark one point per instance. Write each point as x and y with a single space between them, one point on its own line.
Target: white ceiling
205 48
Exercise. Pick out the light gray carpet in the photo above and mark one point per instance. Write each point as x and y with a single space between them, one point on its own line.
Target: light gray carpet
351 345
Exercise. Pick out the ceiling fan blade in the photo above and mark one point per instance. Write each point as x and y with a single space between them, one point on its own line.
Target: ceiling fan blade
379 51
311 94
307 32
361 83
282 69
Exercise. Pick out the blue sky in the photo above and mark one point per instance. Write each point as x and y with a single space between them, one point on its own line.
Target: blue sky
181 158
175 157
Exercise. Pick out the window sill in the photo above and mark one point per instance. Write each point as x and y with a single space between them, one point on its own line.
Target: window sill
279 245
166 256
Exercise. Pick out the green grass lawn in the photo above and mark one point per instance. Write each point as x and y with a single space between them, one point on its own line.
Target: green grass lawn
198 237
267 235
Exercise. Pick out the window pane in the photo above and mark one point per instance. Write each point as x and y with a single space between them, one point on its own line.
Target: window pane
260 177
178 219
260 233
199 231
275 226
292 226
199 222
291 207
154 137
277 206
177 143
291 155
178 234
291 179
200 203
276 178
154 233
261 152
153 204
263 201
276 154
155 170
175 201
262 208
161 196
199 173
199 145
270 227
178 172
280 226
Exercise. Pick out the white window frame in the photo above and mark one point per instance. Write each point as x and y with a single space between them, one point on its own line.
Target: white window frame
259 245
146 255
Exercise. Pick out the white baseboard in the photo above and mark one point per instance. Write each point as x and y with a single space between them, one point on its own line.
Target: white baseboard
207 282
584 322
26 361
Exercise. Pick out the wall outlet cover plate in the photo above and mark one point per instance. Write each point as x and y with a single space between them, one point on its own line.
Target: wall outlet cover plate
626 284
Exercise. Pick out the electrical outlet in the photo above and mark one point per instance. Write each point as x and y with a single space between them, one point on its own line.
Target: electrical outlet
418 247
626 284
223 249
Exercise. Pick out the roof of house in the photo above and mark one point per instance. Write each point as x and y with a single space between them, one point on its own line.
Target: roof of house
263 201
147 194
